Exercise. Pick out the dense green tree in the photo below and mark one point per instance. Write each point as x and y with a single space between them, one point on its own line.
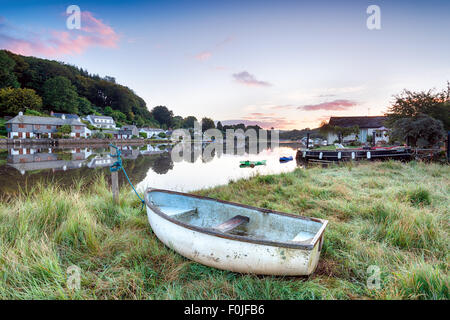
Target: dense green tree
84 106
177 122
189 121
418 131
60 95
108 111
207 123
14 100
7 76
162 115
65 128
219 126
119 116
410 104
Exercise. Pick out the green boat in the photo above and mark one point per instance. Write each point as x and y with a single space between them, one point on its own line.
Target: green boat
248 163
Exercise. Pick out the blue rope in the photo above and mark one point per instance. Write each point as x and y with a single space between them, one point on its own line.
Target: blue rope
117 166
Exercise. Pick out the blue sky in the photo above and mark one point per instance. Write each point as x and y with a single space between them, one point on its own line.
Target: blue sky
287 64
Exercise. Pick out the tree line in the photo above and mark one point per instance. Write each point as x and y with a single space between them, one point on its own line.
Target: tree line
39 86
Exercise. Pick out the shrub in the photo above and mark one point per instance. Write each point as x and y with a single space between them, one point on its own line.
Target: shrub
143 135
108 135
355 143
65 128
98 135
57 135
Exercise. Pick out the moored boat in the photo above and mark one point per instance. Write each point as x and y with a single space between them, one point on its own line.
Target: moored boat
286 159
348 154
252 164
233 236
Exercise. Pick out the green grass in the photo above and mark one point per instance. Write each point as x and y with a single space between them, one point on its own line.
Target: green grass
391 215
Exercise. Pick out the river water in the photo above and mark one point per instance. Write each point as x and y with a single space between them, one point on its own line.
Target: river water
147 166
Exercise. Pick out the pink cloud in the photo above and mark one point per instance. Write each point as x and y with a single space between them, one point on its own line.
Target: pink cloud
93 33
336 105
202 56
207 54
248 79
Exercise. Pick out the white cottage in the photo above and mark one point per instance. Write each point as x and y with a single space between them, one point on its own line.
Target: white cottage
367 127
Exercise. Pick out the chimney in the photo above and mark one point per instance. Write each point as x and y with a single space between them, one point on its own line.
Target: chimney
20 113
51 113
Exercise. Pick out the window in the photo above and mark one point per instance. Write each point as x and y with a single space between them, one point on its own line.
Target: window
49 126
21 125
37 127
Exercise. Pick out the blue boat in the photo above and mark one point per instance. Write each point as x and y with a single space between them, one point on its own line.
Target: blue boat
286 159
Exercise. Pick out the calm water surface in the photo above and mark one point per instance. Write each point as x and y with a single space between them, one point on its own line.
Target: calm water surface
147 166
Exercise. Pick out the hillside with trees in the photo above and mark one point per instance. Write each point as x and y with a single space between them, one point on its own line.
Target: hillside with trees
43 85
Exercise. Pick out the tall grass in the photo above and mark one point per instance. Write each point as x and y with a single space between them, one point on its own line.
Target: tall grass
391 215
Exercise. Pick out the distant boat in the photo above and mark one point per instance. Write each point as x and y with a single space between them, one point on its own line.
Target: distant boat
252 164
235 237
286 159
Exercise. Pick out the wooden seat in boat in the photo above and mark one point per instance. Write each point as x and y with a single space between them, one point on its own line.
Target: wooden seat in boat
232 223
175 212
303 237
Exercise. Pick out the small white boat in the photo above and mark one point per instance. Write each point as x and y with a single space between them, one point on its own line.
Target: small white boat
233 236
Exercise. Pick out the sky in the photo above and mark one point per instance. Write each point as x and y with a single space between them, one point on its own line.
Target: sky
281 64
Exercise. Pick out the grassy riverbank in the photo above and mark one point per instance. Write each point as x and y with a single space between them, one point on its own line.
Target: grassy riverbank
391 215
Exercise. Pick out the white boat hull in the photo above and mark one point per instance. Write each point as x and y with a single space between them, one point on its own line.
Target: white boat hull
234 255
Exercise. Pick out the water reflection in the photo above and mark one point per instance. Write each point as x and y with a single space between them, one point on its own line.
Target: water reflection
147 165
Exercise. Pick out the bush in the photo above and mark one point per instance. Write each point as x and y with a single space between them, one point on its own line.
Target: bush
98 135
57 135
134 136
143 135
108 135
355 143
162 135
65 128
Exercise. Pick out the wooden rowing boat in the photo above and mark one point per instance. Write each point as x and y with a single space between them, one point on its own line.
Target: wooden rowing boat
233 236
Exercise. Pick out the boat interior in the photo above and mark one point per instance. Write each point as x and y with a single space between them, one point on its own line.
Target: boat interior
234 219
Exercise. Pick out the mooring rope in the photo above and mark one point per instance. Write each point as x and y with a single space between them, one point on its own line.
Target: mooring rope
117 166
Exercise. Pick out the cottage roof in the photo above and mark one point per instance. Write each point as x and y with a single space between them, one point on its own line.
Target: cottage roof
93 116
129 127
362 122
151 129
44 121
67 115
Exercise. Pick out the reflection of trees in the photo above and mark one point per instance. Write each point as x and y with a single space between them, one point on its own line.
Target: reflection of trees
162 164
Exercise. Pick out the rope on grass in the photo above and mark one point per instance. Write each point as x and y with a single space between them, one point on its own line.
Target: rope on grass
117 166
